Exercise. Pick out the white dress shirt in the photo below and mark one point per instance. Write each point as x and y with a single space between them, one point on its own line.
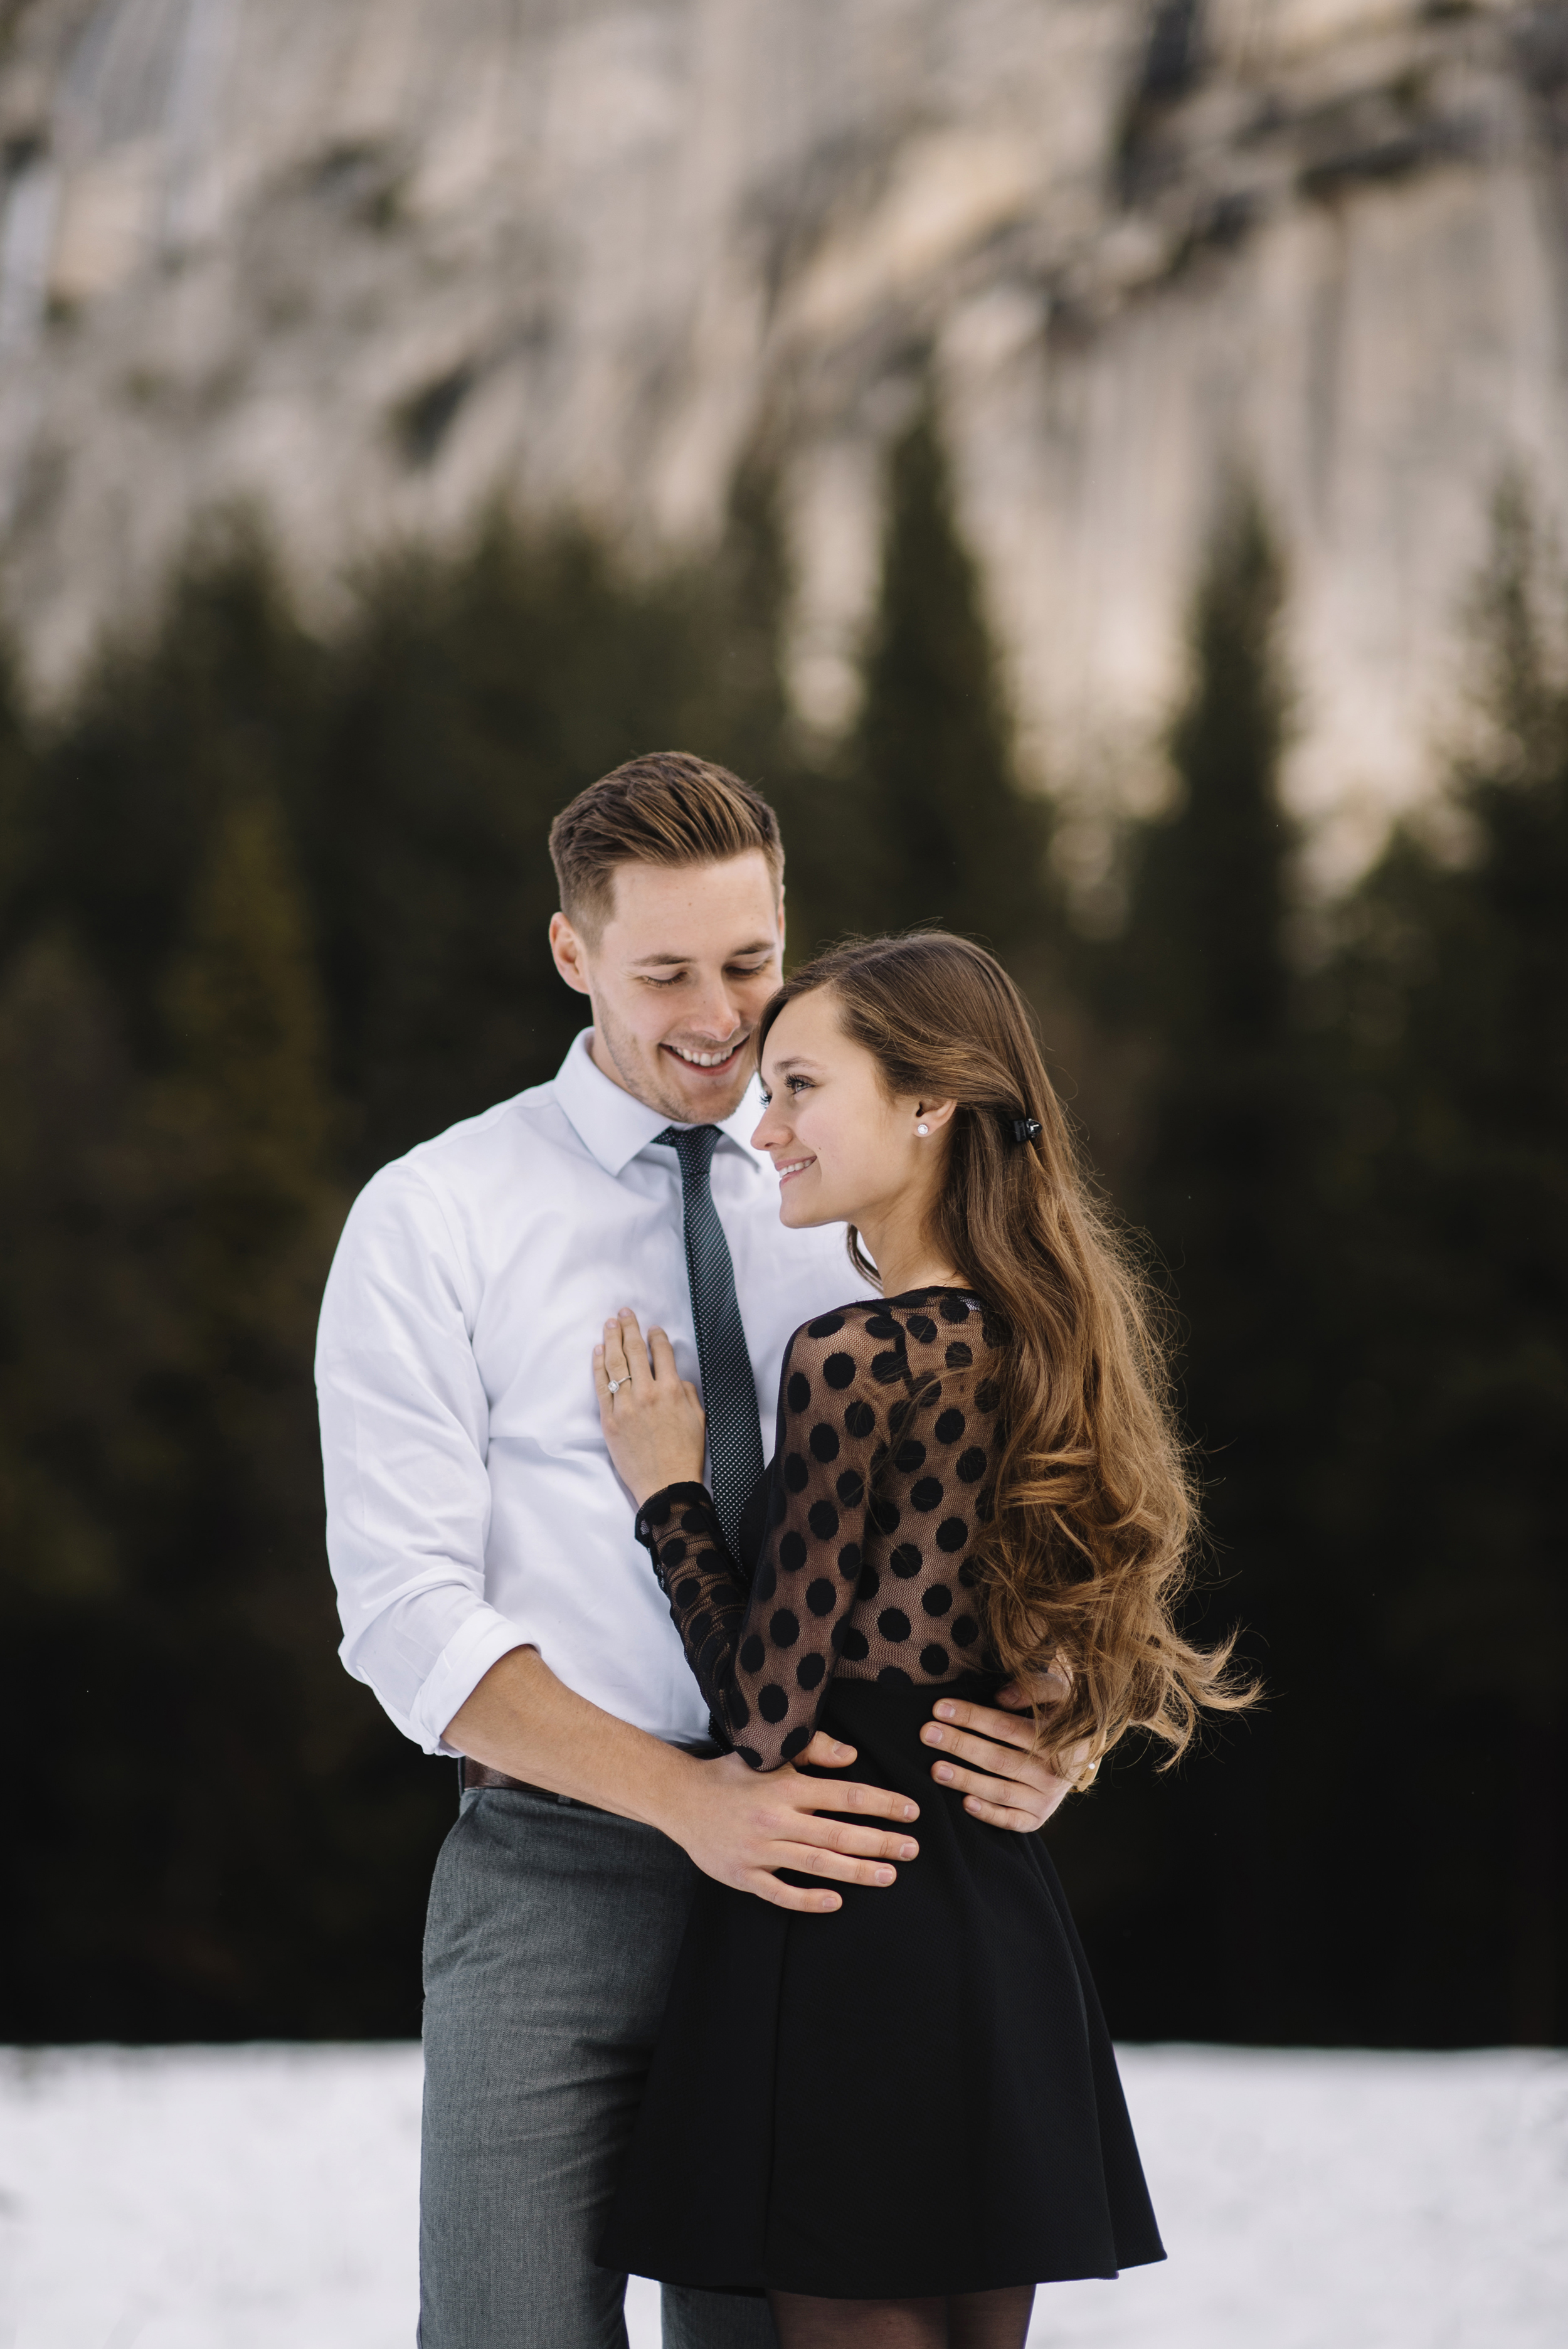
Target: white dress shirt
472 1505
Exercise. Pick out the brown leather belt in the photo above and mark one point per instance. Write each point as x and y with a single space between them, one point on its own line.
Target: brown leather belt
471 1773
479 1773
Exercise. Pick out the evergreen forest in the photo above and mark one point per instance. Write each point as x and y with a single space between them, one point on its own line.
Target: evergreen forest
272 905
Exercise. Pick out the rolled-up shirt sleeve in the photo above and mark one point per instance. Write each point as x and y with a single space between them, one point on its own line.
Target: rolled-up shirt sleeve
404 1425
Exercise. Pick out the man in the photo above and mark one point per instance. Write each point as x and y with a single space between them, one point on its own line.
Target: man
491 1589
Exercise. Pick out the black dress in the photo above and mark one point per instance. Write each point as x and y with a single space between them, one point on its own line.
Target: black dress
915 2094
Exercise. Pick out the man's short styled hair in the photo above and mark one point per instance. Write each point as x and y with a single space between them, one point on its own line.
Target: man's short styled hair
664 808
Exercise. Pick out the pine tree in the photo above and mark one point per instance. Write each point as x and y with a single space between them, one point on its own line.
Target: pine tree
473 696
1454 1420
242 1126
933 827
753 734
220 697
245 1102
75 1318
754 729
1210 977
1215 1174
85 1472
18 803
167 1591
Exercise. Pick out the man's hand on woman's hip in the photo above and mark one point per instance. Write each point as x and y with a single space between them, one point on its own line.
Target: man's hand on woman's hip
741 1826
987 1757
738 1825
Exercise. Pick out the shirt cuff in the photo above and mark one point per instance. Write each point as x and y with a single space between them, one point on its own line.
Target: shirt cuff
483 1638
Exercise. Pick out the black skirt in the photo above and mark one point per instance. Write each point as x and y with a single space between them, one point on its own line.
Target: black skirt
915 2095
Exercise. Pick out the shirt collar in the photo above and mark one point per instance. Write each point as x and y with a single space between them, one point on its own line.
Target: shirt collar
615 1126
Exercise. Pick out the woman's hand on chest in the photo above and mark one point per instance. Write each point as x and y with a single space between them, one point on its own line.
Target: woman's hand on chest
651 1418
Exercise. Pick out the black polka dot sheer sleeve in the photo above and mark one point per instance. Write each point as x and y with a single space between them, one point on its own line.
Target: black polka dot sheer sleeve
879 1487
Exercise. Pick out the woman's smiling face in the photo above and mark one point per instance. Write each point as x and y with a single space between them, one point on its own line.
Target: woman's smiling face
843 1150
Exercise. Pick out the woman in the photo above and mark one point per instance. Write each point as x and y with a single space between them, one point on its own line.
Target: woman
899 2122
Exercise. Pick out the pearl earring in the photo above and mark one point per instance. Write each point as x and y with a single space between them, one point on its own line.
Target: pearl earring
923 1129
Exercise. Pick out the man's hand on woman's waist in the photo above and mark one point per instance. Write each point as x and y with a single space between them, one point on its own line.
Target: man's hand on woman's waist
741 1826
987 1756
738 1825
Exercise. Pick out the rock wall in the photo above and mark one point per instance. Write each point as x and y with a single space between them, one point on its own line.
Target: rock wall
364 262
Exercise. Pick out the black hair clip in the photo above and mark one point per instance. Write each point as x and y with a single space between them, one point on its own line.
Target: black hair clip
1025 1129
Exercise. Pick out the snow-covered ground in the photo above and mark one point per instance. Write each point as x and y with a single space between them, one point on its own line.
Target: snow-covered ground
228 2199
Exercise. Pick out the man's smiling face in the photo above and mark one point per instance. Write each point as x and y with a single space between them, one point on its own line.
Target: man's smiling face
677 978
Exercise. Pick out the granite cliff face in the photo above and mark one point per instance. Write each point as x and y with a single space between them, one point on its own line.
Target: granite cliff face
365 262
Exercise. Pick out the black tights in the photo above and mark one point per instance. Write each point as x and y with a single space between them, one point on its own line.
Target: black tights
964 2320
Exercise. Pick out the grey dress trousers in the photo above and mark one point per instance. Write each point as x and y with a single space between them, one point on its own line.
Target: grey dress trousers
551 1941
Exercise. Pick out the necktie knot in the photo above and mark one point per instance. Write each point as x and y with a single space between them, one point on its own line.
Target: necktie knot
694 1145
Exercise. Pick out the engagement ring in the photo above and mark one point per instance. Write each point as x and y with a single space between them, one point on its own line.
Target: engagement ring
614 1384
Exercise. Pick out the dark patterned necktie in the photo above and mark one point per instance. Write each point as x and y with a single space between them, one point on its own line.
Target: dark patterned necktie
728 1388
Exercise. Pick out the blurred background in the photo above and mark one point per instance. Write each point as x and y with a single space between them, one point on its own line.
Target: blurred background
1098 465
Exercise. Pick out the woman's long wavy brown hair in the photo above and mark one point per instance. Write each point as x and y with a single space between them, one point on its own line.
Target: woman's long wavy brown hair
1093 1518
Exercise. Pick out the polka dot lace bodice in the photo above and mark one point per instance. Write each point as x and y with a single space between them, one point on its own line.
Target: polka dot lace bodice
880 1482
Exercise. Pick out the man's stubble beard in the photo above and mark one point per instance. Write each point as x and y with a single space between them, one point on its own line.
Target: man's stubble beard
636 1076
